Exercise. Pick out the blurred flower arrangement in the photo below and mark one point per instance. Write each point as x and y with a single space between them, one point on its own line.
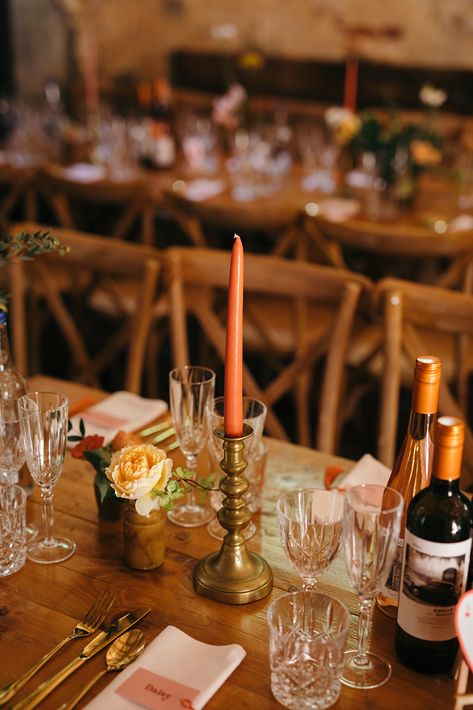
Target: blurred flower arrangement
131 470
228 110
401 150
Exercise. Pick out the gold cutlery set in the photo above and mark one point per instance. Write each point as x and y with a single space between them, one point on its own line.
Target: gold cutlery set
126 646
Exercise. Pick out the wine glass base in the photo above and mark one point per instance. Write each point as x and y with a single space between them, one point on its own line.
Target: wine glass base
190 516
31 532
51 551
375 672
215 530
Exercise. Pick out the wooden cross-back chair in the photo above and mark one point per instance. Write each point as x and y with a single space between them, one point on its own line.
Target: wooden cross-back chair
67 199
196 275
94 269
425 320
414 242
17 187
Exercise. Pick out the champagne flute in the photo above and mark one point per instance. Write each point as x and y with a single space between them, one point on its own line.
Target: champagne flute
371 523
310 525
43 422
191 389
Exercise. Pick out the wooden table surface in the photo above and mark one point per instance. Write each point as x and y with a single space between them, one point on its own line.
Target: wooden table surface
40 604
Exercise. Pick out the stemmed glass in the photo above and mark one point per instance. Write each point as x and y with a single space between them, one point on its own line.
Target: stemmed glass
43 422
310 525
371 523
191 389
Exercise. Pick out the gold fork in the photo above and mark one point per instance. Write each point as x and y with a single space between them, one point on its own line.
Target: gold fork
89 624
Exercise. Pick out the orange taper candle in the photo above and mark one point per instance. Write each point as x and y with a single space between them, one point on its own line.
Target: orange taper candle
351 84
233 412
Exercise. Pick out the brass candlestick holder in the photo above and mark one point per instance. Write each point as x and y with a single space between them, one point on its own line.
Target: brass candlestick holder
233 575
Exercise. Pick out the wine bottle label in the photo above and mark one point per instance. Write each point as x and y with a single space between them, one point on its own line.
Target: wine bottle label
393 582
433 578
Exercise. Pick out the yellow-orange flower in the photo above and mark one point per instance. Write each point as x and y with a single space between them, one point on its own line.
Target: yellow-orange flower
425 154
135 471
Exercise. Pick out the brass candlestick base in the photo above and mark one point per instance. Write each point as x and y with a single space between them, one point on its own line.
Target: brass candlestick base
233 575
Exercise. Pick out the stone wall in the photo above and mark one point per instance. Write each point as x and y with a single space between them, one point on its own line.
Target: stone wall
133 38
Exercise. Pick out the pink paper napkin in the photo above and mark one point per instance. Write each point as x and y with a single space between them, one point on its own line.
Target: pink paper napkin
174 672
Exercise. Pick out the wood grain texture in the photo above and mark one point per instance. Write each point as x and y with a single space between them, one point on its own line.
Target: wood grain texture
41 603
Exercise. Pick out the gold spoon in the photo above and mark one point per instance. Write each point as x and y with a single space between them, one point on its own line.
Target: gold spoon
123 651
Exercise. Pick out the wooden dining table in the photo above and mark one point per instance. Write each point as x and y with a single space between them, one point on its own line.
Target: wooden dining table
40 604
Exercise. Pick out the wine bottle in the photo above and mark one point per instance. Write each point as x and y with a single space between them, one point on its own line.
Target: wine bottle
412 470
12 382
436 559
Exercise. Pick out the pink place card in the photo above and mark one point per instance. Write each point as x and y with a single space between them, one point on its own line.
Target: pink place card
155 691
103 419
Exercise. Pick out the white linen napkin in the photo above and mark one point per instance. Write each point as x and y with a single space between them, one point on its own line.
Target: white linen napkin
202 189
84 172
366 470
121 411
338 209
175 656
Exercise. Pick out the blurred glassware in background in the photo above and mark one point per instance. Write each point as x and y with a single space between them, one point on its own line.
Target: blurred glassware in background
319 156
200 144
113 147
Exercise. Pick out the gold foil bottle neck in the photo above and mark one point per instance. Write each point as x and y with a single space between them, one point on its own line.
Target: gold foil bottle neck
449 436
427 375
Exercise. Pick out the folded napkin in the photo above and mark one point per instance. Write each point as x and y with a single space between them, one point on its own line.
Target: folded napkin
122 410
174 672
366 470
203 189
461 223
337 209
84 172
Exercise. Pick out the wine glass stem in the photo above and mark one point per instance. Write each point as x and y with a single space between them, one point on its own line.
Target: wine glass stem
191 464
364 620
47 511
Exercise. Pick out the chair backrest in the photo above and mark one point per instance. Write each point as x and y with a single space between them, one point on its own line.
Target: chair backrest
409 310
17 185
63 194
197 274
93 265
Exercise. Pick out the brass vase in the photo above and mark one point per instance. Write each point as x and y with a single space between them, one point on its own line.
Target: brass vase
144 544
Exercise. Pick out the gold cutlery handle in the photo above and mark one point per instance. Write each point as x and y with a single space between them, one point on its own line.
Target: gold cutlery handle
7 692
71 704
34 698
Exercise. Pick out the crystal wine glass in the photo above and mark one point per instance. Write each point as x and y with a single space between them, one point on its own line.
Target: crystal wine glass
43 421
191 389
371 523
310 525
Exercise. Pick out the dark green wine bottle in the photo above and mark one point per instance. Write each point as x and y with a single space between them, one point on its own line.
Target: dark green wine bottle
436 559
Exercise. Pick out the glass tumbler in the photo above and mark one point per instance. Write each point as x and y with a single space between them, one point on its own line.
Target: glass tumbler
12 529
307 636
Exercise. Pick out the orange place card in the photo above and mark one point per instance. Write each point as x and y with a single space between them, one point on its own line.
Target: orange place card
464 626
151 690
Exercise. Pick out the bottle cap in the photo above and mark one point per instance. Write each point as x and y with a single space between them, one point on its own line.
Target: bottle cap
449 435
427 375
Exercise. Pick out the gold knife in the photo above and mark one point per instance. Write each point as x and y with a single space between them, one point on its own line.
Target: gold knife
103 639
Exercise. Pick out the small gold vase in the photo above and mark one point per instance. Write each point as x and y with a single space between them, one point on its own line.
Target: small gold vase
144 545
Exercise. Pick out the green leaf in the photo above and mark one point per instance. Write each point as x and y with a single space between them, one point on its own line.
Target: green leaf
82 427
99 458
69 425
103 484
74 437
